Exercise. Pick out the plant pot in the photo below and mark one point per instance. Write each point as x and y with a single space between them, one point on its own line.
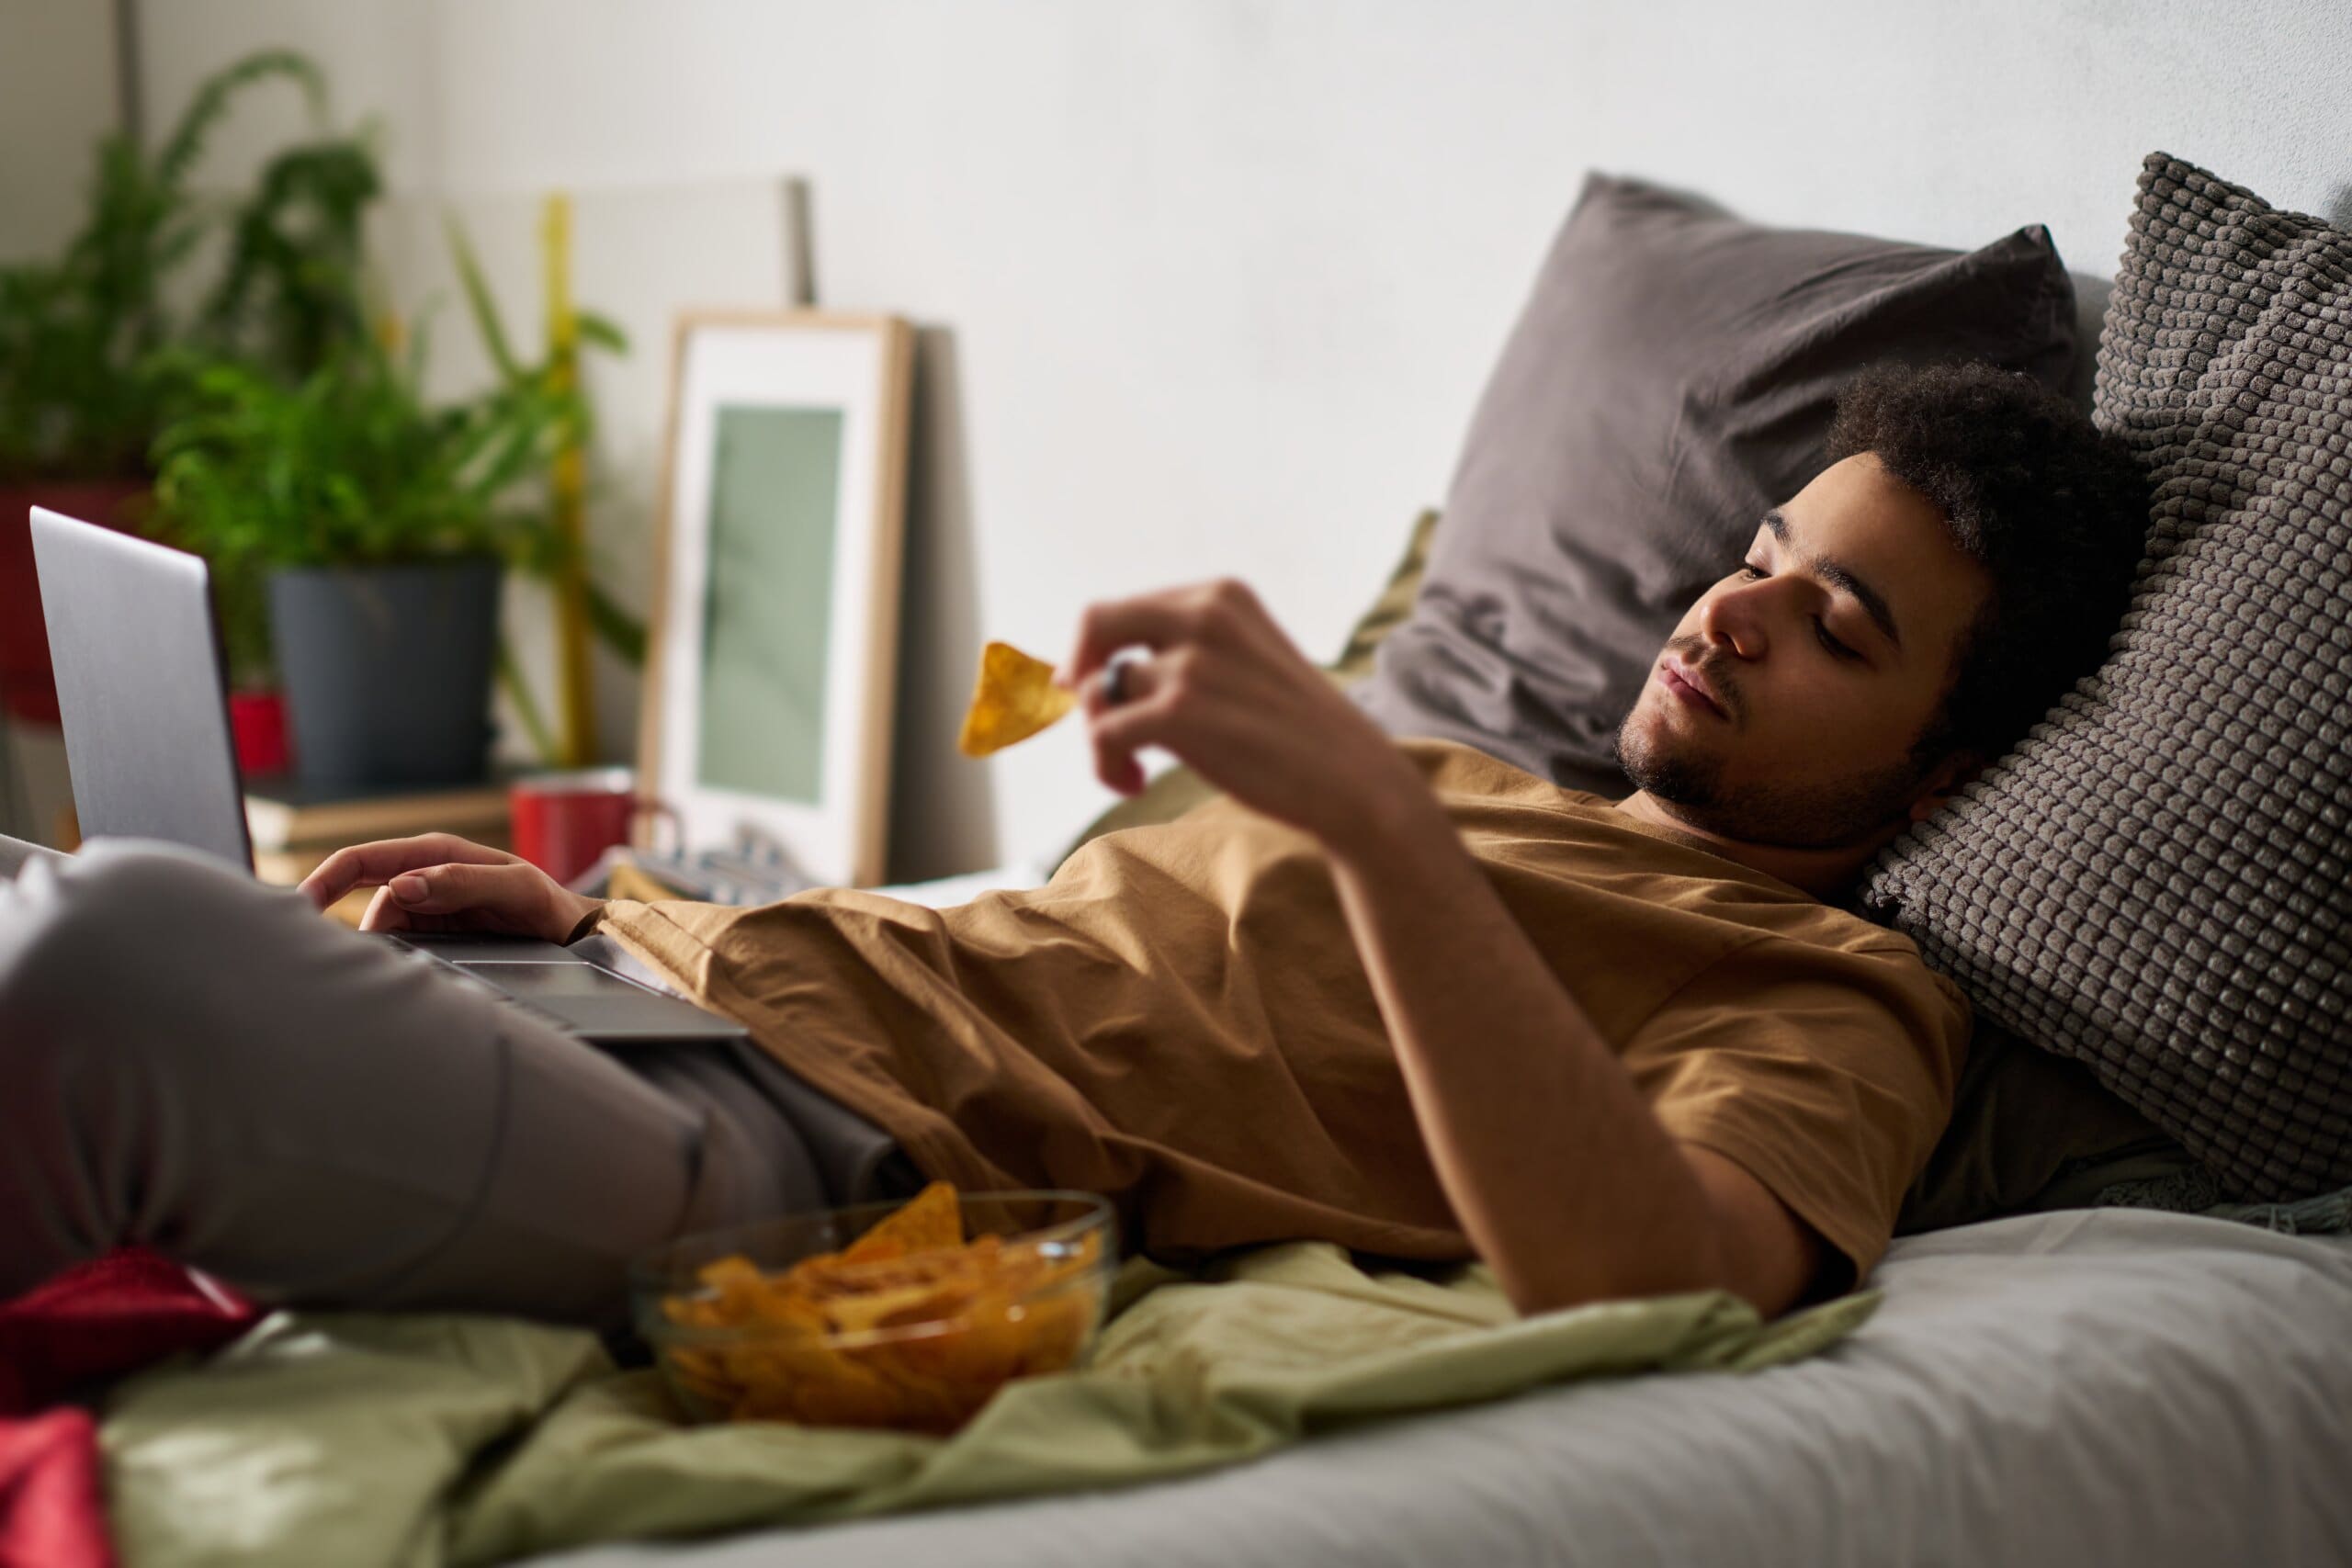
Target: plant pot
28 688
388 671
258 721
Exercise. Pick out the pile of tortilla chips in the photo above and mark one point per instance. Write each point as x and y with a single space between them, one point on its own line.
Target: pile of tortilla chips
910 1326
1015 698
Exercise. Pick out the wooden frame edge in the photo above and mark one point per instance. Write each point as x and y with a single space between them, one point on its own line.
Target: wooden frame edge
870 815
891 496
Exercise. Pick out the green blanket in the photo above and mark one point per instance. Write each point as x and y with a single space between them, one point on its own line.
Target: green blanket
362 1439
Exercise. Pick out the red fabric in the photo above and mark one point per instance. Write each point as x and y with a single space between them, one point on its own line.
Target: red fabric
53 1514
107 1316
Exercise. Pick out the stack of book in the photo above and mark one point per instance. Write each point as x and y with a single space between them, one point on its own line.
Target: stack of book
295 828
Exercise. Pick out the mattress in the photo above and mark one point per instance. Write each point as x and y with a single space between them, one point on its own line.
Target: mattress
2086 1387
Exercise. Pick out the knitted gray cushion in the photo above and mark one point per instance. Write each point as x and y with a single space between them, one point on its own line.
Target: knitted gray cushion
2154 881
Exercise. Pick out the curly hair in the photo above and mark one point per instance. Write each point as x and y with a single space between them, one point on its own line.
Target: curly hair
2055 510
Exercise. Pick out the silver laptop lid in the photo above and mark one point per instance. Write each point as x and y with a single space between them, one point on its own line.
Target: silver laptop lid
140 688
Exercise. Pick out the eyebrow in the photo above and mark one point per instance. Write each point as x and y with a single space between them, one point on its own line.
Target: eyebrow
1839 575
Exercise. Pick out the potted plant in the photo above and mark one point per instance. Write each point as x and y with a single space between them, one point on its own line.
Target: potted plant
93 351
376 529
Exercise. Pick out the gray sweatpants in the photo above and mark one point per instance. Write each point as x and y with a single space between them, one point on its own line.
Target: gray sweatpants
194 1062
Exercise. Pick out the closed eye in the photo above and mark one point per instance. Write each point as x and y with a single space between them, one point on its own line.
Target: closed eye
1820 628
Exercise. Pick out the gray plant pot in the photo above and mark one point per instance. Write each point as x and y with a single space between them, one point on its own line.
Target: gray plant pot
388 670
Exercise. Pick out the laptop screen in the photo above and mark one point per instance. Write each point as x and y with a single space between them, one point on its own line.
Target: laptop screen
140 689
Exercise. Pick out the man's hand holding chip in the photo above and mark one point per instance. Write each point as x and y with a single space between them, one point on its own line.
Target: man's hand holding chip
1224 689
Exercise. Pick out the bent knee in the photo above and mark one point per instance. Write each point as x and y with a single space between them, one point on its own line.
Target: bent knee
123 915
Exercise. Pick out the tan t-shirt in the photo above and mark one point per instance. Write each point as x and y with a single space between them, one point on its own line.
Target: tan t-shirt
1180 1020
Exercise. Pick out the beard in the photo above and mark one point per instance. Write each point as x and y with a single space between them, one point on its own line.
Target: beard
1825 814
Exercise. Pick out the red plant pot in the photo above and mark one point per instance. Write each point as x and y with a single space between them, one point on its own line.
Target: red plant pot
258 721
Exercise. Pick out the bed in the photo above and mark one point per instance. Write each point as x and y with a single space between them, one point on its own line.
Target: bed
2086 1387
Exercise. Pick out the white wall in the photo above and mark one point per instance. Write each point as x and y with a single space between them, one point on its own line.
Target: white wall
1215 282
57 97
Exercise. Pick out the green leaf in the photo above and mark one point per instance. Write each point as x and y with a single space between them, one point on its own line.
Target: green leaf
77 332
479 302
526 706
621 632
601 330
186 143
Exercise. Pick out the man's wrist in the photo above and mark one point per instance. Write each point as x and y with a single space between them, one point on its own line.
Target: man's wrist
1388 816
590 911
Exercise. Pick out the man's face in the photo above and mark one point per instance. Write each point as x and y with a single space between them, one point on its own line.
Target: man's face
1808 745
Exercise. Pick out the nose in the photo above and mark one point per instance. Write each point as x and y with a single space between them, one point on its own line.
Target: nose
1733 616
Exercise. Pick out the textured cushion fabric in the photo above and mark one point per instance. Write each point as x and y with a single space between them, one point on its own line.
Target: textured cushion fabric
1670 378
2156 881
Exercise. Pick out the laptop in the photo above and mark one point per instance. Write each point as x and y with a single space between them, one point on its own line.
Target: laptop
145 699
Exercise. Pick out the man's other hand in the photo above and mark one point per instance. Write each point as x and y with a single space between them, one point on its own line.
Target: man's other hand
438 882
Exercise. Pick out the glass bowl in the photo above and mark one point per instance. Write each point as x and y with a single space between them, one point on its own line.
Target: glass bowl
761 1322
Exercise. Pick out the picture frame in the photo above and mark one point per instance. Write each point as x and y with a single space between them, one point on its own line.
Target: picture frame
772 646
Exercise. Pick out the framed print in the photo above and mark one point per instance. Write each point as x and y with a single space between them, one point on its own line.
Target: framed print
772 651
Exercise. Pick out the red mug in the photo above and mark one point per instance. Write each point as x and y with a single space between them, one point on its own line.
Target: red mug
562 822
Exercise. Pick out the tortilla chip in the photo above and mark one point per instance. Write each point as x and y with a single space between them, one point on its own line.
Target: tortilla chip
825 1390
889 1309
867 1253
930 1220
1014 699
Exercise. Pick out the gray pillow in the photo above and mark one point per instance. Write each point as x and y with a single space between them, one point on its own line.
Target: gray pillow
1669 379
2154 881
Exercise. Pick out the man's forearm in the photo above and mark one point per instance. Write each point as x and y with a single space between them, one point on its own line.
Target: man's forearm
1561 1175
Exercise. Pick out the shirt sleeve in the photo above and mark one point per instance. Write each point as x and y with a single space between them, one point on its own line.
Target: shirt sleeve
1827 1074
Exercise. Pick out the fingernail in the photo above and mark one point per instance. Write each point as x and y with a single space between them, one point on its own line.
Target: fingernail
409 887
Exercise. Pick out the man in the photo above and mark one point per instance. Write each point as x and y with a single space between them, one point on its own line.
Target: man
1395 995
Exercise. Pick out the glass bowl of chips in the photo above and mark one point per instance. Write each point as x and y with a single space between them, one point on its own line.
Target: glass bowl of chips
909 1316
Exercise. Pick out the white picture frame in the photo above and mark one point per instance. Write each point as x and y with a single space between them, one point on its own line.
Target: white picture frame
772 650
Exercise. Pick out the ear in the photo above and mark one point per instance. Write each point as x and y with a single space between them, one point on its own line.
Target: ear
1940 783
